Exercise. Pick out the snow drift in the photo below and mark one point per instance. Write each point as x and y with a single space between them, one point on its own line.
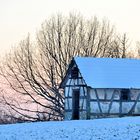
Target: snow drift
103 129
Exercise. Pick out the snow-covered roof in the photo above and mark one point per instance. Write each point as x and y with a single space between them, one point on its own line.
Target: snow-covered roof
109 72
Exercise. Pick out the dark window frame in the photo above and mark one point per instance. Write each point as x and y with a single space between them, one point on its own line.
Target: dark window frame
125 94
74 73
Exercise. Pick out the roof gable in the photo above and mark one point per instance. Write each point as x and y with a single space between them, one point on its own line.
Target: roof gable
109 72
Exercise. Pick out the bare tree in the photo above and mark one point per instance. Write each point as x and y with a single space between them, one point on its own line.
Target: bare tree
36 70
23 74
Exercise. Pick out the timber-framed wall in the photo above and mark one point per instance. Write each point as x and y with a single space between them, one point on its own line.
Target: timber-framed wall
109 103
100 103
97 102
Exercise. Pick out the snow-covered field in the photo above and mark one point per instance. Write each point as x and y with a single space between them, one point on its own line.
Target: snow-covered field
99 129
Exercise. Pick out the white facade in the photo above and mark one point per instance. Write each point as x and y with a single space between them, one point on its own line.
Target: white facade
103 97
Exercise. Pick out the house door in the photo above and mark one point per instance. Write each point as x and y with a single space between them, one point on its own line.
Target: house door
75 104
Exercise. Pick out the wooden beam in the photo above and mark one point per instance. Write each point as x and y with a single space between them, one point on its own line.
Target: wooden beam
98 100
134 105
120 106
88 104
82 104
81 97
105 96
116 114
70 110
76 85
69 88
115 100
77 78
68 95
111 101
84 92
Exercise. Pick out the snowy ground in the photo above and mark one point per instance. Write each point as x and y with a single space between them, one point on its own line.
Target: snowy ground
99 129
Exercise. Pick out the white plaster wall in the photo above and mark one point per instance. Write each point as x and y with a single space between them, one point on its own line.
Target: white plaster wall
126 106
94 108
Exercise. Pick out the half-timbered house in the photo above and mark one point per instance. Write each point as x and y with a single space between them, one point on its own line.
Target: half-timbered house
101 87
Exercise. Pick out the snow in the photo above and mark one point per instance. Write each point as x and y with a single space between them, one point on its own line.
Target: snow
109 72
99 129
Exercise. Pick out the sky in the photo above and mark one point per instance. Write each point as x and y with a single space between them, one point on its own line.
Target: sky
20 17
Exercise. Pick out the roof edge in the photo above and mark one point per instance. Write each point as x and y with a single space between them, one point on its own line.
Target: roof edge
63 82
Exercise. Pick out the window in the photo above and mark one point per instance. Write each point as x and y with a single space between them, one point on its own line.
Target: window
74 73
125 95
